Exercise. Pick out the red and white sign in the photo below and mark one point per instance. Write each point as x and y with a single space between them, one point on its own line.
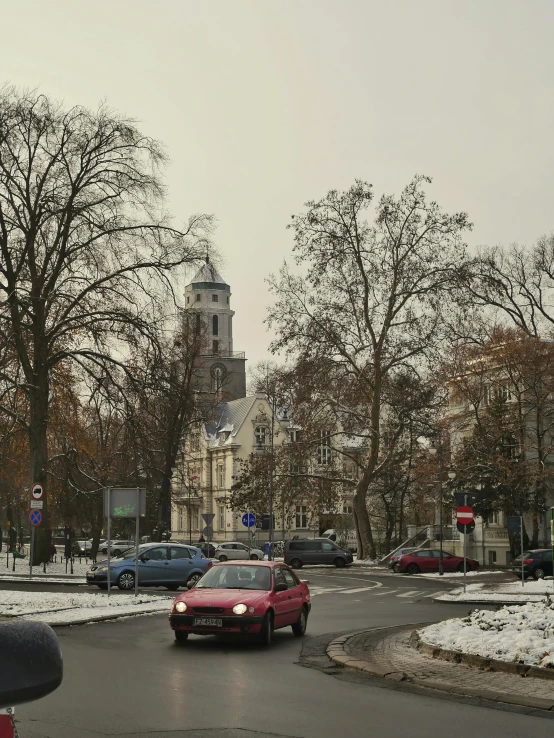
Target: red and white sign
37 492
6 726
464 515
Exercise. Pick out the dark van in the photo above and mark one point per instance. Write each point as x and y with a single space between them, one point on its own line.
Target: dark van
315 551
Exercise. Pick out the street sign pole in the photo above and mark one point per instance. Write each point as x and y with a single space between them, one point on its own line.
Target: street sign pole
552 536
137 533
109 536
465 548
521 541
249 531
32 552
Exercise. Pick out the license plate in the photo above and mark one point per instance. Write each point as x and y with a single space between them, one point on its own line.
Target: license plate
213 622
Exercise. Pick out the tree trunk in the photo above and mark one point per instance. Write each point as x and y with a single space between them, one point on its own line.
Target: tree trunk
38 445
364 534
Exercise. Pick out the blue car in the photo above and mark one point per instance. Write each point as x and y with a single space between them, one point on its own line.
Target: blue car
170 565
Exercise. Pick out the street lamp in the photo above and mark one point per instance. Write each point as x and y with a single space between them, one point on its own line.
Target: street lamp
438 447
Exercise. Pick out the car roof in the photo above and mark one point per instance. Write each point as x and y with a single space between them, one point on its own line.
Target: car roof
240 562
166 543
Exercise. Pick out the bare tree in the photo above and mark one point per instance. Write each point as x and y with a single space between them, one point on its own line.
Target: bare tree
369 302
86 248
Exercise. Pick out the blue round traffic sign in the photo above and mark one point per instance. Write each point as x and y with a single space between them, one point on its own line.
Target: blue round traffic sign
249 520
35 517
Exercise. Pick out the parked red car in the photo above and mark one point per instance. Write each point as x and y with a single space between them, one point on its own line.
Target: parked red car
426 560
249 597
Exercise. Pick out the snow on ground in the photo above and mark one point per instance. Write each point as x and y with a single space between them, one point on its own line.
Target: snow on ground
460 574
57 569
519 633
55 607
501 592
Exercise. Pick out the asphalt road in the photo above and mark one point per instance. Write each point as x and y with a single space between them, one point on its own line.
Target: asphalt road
130 679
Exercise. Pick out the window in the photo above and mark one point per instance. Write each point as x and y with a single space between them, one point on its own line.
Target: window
188 299
215 325
197 298
221 517
181 518
227 301
328 547
180 553
156 554
195 442
221 476
218 374
492 557
301 516
215 347
215 298
493 518
347 509
278 577
290 579
324 448
260 434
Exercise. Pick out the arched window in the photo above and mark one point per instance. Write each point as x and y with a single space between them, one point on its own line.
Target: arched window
215 325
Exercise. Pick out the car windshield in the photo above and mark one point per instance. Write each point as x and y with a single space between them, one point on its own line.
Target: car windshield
130 554
235 576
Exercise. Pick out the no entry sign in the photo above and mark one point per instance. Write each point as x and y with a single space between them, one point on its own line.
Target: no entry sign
464 515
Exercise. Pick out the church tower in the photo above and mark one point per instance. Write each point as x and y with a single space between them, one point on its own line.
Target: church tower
224 370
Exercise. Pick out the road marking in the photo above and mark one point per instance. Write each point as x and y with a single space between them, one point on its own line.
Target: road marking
354 591
388 592
411 593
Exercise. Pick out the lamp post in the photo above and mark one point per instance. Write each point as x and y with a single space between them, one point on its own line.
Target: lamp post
191 483
438 446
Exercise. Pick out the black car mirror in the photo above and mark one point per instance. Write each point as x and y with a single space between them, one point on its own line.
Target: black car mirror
32 664
280 587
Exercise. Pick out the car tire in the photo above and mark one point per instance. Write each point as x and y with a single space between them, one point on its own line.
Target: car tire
296 564
539 573
339 562
461 567
395 568
102 586
412 569
172 587
222 557
193 578
299 628
117 553
181 636
254 557
266 631
126 581
104 550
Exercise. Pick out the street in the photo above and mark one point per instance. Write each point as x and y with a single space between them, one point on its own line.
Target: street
129 678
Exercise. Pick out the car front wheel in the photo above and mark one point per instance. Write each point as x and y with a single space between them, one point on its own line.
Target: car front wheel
191 581
222 557
254 557
539 573
395 568
339 563
296 564
181 636
266 631
299 628
117 553
126 580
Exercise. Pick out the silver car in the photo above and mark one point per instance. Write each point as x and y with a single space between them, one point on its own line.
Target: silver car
117 547
228 551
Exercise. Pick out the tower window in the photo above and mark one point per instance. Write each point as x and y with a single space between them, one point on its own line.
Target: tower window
215 347
197 298
227 301
215 325
188 300
215 298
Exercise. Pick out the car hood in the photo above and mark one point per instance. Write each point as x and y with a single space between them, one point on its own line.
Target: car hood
221 597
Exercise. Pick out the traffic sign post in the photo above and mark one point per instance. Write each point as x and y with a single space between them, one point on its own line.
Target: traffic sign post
552 536
464 516
249 521
35 518
123 502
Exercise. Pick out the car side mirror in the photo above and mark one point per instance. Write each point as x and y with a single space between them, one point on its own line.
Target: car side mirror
32 664
281 587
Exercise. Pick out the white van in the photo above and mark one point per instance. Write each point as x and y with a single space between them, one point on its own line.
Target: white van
348 540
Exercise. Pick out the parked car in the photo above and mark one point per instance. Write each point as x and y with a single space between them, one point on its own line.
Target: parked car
251 597
117 547
345 539
393 561
234 550
168 565
208 549
426 560
315 551
536 563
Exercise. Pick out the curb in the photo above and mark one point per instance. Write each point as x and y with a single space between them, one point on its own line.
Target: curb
481 662
101 618
336 652
74 581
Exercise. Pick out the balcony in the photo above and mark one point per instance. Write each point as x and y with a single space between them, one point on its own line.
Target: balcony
225 354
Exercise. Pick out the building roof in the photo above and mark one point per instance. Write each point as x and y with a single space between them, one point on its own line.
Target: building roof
229 420
208 275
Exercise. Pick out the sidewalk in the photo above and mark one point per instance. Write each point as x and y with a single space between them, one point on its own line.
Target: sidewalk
387 653
501 593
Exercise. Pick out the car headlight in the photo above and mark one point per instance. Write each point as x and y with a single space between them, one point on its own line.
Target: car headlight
180 607
100 568
240 609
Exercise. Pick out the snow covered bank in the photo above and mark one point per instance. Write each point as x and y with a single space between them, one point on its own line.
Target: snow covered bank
509 592
521 633
59 607
57 569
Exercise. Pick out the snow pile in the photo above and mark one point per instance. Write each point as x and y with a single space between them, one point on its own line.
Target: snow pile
61 607
460 574
520 633
57 569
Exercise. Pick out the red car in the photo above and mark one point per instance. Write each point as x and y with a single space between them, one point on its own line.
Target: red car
427 559
243 597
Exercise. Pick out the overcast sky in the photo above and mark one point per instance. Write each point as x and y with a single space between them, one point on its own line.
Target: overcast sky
264 105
